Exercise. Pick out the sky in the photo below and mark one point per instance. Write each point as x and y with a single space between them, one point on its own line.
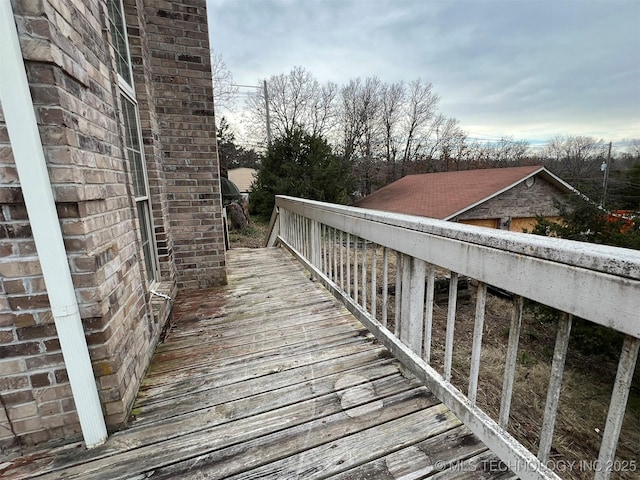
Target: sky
528 69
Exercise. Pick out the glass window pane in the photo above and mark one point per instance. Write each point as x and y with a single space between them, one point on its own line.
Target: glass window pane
119 38
143 218
134 146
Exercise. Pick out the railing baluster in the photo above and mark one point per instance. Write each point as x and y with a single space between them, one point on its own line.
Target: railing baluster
335 256
398 295
428 312
341 247
405 302
364 274
476 349
385 285
617 406
510 362
374 280
348 265
355 270
451 322
416 305
555 382
323 250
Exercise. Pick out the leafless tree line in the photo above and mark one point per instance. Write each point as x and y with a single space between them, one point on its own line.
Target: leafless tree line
389 130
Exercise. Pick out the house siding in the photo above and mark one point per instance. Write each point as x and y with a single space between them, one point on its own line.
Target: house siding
518 207
70 70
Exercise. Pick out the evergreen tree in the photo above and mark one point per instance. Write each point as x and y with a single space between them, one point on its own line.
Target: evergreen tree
300 165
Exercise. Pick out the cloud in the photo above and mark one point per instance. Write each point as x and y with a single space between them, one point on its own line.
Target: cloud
521 67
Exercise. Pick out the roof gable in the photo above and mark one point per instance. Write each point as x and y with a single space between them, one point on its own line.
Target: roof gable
448 194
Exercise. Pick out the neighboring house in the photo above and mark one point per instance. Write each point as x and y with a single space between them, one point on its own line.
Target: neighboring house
243 178
124 118
506 198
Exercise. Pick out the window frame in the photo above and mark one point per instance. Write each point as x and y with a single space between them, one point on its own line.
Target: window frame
143 210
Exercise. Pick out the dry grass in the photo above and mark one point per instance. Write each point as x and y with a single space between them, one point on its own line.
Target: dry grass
254 236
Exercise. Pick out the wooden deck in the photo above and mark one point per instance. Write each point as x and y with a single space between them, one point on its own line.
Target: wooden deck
270 377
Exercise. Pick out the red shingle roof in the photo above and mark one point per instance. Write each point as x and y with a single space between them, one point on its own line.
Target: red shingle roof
441 195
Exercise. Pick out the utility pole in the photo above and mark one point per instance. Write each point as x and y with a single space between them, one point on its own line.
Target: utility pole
266 104
605 182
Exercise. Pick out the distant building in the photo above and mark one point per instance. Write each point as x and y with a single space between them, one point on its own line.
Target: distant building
123 104
506 198
243 178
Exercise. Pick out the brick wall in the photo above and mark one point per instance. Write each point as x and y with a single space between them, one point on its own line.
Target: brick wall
70 70
181 69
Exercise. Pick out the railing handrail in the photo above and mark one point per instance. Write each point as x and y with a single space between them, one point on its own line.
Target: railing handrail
595 282
622 262
586 272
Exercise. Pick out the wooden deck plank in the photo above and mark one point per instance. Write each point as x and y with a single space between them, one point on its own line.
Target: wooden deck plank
265 449
269 377
421 459
302 378
240 444
247 368
260 342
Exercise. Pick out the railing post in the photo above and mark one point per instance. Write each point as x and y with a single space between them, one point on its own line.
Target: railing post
416 306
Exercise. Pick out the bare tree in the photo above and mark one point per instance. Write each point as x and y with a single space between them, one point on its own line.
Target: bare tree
393 97
420 109
296 99
224 91
575 158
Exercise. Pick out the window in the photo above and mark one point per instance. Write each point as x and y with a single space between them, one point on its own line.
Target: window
133 135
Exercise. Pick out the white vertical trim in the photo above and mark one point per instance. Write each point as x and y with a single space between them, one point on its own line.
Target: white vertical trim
45 225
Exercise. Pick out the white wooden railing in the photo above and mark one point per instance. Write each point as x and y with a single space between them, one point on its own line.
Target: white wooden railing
351 251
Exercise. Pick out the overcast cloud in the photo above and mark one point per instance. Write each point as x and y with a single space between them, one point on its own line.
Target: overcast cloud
531 69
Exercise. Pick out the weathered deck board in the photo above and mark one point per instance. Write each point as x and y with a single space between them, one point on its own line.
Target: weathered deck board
270 377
